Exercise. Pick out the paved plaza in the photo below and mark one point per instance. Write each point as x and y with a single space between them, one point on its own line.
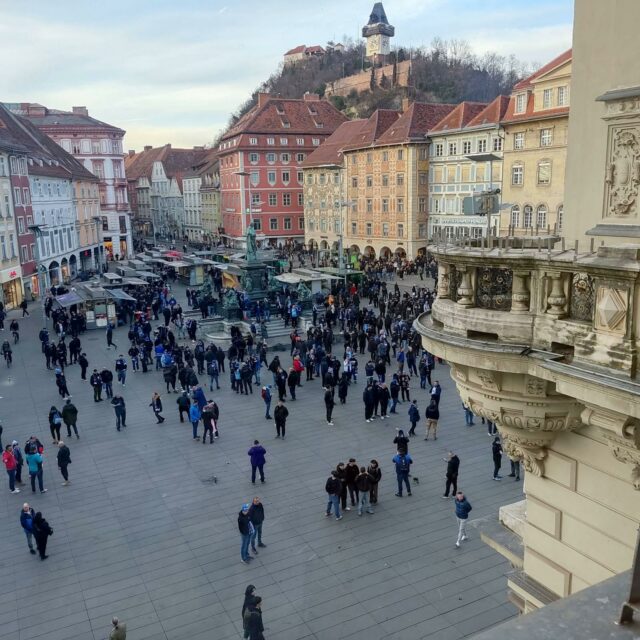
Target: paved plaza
144 533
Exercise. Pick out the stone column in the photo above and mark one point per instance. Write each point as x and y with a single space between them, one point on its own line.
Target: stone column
557 300
465 290
520 297
443 281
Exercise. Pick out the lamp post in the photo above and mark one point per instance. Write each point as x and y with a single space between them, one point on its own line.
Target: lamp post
37 231
246 174
340 204
487 157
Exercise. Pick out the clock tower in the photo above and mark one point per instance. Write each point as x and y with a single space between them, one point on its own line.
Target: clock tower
378 32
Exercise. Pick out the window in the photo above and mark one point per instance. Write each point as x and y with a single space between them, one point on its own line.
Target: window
253 140
286 200
300 199
4 247
300 157
301 224
271 158
254 177
547 98
300 177
528 217
563 96
560 220
422 178
24 254
400 230
287 224
16 196
354 228
514 220
422 205
257 224
518 140
286 177
385 180
354 159
369 181
369 157
253 158
385 229
311 224
546 137
439 150
369 228
497 144
544 172
385 205
354 182
385 156
7 206
20 225
521 102
466 147
300 142
271 142
255 202
400 205
400 154
75 147
285 157
26 196
309 178
453 149
517 175
3 166
273 199
273 224
400 179
423 154
284 142
482 145
369 205
336 177
271 177
315 142
541 217
322 179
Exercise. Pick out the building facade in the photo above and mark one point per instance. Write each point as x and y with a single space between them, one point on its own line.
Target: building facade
99 147
210 198
536 126
10 270
191 185
261 160
465 161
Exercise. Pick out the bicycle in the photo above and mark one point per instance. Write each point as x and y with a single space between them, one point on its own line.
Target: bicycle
8 358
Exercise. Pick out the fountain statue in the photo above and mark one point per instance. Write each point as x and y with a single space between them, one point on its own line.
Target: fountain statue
252 245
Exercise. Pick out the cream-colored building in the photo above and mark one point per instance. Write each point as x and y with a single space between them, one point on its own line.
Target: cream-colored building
535 151
465 161
543 341
386 181
210 197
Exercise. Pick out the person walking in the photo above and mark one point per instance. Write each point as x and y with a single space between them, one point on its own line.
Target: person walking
41 532
26 522
468 415
496 452
208 423
363 482
280 414
121 370
107 380
118 630
329 403
96 382
84 365
64 460
436 392
249 599
156 405
17 454
257 454
120 409
403 462
368 399
375 474
194 418
463 507
453 465
256 516
70 418
333 487
183 405
10 464
110 342
246 531
266 396
35 462
55 421
432 414
515 469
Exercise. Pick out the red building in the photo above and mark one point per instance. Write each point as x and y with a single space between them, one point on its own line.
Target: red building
269 145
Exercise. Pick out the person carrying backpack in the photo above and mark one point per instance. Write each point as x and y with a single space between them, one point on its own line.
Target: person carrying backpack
55 421
403 462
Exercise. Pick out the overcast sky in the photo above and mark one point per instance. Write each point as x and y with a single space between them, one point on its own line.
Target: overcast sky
170 71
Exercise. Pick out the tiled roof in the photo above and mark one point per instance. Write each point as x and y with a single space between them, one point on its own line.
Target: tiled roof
414 123
459 117
329 153
26 137
556 62
299 49
492 113
373 128
58 118
176 162
272 114
530 114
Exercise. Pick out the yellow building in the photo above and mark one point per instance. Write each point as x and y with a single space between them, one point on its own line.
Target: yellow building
465 150
535 150
324 195
86 201
386 178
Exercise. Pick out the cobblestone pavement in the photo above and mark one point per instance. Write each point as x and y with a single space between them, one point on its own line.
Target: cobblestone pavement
144 533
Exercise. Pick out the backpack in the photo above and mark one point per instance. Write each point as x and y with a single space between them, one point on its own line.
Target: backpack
403 464
56 418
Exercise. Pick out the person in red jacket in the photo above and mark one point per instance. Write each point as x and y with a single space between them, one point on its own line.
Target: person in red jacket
10 463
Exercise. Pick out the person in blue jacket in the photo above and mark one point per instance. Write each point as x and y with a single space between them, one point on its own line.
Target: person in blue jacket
403 464
463 507
194 417
256 454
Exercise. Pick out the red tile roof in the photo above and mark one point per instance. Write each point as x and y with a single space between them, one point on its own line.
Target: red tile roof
530 114
550 66
302 116
414 123
373 128
492 113
299 49
329 153
176 162
459 117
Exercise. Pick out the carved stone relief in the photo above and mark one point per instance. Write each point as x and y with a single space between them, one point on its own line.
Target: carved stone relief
611 310
534 386
622 180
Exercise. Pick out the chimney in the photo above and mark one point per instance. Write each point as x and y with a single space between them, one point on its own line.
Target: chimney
405 103
147 147
311 97
34 109
80 111
132 152
263 97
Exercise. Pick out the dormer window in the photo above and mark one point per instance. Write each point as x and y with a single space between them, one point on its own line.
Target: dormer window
285 123
312 110
279 109
521 102
319 125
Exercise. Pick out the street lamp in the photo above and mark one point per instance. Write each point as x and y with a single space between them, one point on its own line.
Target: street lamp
340 204
486 157
244 222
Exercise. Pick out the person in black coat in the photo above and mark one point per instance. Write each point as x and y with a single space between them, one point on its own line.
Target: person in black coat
41 532
64 460
253 620
368 399
402 442
453 464
329 403
250 599
256 515
280 414
496 452
351 473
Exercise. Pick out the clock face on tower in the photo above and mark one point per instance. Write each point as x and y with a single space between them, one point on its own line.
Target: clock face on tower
384 45
373 45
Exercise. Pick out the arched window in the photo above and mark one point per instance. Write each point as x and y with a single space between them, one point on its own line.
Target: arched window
515 216
541 216
528 217
560 220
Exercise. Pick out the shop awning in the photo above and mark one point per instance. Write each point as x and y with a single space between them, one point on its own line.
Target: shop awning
69 299
148 274
119 294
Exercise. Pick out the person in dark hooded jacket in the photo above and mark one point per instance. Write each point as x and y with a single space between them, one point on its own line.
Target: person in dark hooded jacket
250 599
41 532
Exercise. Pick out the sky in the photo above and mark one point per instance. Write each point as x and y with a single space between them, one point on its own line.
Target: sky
168 71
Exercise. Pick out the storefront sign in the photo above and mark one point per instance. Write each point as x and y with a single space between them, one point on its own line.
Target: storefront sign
6 275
